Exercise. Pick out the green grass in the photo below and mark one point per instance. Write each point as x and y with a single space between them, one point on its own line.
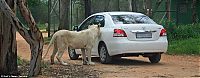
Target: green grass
183 39
21 61
188 46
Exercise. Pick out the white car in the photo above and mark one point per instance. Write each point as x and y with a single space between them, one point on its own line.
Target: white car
125 34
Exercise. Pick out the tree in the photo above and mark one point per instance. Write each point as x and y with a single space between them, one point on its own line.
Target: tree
40 14
157 5
133 5
148 8
118 5
32 36
194 13
64 14
8 48
87 8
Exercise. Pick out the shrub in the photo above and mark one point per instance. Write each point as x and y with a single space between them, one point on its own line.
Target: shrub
182 32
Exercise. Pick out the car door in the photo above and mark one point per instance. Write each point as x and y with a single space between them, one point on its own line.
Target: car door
96 19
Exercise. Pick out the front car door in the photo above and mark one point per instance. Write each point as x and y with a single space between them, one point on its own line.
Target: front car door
96 19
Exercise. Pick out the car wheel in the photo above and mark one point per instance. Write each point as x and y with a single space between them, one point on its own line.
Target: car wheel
103 53
72 54
155 58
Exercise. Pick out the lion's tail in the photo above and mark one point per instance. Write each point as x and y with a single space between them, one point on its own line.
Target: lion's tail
50 44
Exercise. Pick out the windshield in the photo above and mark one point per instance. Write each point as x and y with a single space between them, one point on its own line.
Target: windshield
131 19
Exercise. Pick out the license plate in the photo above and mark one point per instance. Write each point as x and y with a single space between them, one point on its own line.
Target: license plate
144 35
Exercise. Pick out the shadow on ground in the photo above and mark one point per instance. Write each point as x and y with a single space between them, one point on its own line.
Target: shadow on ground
123 61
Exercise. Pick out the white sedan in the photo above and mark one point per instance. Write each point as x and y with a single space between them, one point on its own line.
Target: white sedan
125 34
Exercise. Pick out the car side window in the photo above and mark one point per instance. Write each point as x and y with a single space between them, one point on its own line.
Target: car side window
98 20
87 23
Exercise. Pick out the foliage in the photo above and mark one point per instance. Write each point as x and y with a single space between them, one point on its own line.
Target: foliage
181 32
39 10
183 39
187 31
21 61
189 46
42 27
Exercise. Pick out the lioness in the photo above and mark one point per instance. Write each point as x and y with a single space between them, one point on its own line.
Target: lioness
83 40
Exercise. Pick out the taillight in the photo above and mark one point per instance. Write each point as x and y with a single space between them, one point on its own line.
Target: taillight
119 33
163 32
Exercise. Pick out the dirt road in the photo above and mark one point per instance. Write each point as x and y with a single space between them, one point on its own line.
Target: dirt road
169 66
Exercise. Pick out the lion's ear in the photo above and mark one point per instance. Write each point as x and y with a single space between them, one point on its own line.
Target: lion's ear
98 26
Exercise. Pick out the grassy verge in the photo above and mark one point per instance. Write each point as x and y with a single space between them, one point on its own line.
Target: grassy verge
184 39
188 46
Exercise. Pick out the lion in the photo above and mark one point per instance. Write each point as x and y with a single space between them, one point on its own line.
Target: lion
84 40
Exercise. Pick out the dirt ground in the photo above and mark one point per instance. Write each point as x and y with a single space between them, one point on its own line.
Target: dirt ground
170 65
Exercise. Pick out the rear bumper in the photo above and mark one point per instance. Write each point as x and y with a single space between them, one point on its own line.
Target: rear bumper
124 46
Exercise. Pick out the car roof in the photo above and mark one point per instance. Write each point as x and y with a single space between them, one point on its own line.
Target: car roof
118 13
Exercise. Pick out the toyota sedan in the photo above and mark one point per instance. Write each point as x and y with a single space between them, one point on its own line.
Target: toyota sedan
125 34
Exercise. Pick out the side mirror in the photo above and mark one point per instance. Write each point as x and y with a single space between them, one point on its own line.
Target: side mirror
75 28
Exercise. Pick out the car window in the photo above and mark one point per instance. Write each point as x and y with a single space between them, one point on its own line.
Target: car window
144 20
98 20
87 23
131 19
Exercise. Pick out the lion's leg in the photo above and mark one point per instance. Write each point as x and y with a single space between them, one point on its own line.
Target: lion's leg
84 56
53 54
89 56
59 56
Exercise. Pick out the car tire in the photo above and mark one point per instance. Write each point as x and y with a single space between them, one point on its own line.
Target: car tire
155 58
72 54
103 54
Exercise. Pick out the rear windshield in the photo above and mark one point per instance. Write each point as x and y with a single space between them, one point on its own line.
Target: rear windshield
131 19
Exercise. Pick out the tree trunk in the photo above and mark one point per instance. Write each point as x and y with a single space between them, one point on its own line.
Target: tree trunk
149 8
194 13
168 10
64 15
118 5
87 8
133 5
107 3
130 5
33 36
8 48
35 39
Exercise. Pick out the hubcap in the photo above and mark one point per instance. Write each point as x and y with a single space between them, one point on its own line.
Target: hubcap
103 53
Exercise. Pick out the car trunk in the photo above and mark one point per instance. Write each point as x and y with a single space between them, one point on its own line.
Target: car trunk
142 32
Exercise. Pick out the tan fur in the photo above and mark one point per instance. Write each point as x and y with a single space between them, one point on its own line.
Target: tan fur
83 40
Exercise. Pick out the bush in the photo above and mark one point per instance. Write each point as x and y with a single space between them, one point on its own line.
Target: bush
41 26
183 39
182 32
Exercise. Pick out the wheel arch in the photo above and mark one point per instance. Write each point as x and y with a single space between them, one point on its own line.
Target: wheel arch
101 43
